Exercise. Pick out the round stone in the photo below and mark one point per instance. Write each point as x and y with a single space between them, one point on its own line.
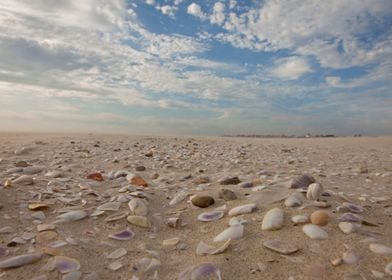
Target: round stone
319 217
202 201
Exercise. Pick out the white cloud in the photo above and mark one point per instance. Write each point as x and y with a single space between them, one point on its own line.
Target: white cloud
291 68
218 15
195 10
332 80
150 2
168 10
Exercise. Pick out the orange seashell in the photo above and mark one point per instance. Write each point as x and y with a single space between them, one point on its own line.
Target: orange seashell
95 176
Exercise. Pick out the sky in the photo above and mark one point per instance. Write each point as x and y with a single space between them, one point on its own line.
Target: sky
196 67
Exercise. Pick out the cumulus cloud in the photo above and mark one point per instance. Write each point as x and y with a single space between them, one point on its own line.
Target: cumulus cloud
332 80
291 68
218 15
195 10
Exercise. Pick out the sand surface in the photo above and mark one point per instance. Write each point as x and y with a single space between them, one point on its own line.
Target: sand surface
358 170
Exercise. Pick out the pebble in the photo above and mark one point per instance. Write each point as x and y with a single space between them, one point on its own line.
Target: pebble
227 194
320 218
314 232
202 201
229 180
300 219
348 228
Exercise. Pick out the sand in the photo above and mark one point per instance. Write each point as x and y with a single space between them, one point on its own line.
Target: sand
354 169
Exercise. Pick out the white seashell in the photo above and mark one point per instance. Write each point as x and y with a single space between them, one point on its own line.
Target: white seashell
110 206
351 257
20 260
140 221
70 216
118 253
173 222
348 228
314 232
314 191
237 221
243 209
280 246
210 216
294 200
24 180
233 232
380 249
31 170
138 207
147 265
201 271
204 249
178 198
299 219
273 219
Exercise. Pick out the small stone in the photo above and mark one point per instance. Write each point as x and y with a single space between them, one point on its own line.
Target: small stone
320 218
314 232
230 181
95 176
299 219
202 201
21 163
38 206
227 194
273 219
348 228
136 180
140 168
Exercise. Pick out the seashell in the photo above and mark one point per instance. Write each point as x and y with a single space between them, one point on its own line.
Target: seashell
126 234
299 219
116 265
116 216
227 194
148 265
178 198
267 196
110 206
173 222
210 216
140 221
201 271
6 229
116 254
294 200
321 204
388 269
352 207
23 180
337 261
171 242
136 180
54 174
314 232
204 249
73 275
233 232
280 246
45 236
202 201
31 170
20 260
301 182
351 257
242 209
229 180
70 216
349 217
3 252
319 217
348 228
65 264
380 249
43 227
273 219
237 221
38 206
314 191
97 213
138 207
95 176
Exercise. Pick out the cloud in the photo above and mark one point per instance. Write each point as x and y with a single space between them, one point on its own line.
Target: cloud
168 10
195 10
291 68
332 80
218 15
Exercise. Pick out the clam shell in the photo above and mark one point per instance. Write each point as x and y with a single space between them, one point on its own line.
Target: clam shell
210 216
273 219
24 180
140 221
352 207
380 249
299 219
232 232
302 181
314 191
242 209
147 265
201 271
70 216
204 249
20 260
294 200
118 253
314 232
351 257
280 246
126 234
348 228
110 206
65 264
116 216
138 207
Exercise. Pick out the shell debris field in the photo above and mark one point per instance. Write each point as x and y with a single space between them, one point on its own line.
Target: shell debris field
137 207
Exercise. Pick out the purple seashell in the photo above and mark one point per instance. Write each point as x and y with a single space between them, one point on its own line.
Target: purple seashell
65 264
349 217
199 272
20 260
302 181
126 234
3 252
210 216
352 207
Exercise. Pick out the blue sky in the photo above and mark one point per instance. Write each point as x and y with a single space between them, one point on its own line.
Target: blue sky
196 67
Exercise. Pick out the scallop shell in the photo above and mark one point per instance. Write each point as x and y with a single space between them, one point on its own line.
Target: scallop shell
314 232
294 200
273 219
201 271
210 216
314 191
138 207
232 232
242 209
20 260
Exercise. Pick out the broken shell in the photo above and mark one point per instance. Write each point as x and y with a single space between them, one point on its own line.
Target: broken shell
233 232
380 249
126 234
237 221
140 221
294 200
348 228
200 271
65 264
118 253
204 249
138 207
178 198
273 219
71 216
116 216
147 265
280 246
210 216
314 191
20 260
352 207
24 180
173 222
302 181
388 269
349 217
243 209
314 232
110 206
171 242
351 257
38 206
